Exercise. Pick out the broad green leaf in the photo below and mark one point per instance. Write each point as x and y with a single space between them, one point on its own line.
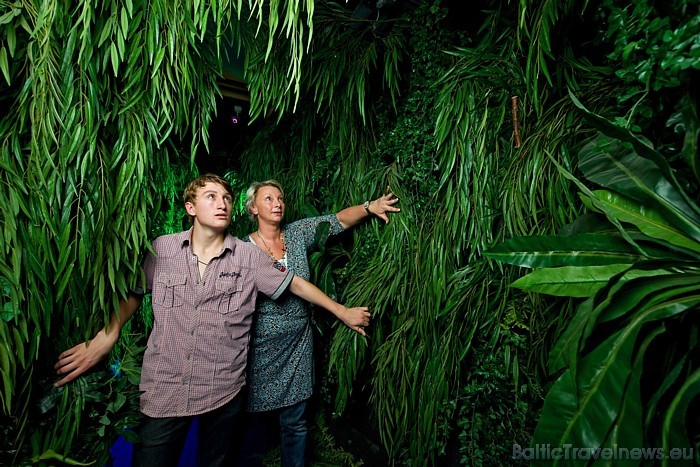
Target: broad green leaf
570 281
626 430
647 219
622 297
642 147
658 286
581 407
612 165
566 250
674 431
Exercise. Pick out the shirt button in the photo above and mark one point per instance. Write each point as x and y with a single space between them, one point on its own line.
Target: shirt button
191 333
189 356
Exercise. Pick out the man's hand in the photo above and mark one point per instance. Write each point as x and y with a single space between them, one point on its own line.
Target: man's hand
355 318
76 361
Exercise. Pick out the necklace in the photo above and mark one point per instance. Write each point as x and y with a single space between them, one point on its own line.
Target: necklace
269 251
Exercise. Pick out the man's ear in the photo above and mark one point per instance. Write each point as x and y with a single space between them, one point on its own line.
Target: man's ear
190 208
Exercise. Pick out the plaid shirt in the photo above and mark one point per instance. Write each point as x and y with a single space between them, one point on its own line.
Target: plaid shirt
196 356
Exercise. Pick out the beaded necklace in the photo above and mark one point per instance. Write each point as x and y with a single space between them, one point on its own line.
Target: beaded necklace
269 250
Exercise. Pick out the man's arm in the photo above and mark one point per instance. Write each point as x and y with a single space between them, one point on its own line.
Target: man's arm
380 207
354 318
76 361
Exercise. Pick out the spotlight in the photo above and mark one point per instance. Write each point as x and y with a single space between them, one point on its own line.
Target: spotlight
235 118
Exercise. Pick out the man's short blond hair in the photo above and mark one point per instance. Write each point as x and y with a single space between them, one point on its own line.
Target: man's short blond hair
191 191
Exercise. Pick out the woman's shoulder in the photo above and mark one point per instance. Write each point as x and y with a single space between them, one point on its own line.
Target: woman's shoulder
311 222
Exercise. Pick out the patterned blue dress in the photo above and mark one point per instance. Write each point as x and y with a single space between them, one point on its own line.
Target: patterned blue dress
280 364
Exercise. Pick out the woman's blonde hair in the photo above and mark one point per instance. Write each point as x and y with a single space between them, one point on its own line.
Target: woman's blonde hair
252 192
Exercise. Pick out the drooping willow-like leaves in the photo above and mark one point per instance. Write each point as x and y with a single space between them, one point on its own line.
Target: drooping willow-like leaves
100 98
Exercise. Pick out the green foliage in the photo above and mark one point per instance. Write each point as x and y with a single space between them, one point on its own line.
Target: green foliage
101 98
618 380
491 412
656 46
445 146
273 71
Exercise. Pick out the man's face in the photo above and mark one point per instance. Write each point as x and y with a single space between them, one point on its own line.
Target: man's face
211 207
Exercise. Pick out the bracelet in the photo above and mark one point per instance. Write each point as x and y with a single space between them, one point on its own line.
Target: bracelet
366 206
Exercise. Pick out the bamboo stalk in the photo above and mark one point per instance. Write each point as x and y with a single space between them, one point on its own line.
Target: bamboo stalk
516 123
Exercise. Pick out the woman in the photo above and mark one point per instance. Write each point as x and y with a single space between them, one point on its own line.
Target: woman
280 371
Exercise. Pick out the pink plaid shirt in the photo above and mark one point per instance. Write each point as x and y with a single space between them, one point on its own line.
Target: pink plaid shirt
196 356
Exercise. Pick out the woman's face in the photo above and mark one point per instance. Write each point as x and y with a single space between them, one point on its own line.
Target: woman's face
268 205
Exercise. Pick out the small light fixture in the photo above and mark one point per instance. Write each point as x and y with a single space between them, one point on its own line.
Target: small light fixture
235 118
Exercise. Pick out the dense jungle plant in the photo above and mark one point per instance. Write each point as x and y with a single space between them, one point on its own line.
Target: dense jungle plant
490 413
629 356
99 99
445 147
104 97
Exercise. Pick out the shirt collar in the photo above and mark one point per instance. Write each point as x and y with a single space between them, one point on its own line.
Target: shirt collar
184 240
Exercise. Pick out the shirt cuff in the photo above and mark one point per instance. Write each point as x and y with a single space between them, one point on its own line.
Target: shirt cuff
283 286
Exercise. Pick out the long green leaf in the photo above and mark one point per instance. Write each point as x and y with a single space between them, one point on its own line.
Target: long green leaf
566 250
647 219
581 406
642 147
674 432
613 165
572 281
625 431
622 297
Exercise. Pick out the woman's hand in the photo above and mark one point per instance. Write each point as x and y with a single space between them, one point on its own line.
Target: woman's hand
383 205
356 318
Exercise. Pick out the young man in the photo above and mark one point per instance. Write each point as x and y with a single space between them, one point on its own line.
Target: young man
204 283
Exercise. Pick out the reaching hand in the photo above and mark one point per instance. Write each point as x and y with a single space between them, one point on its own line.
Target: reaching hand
356 318
76 361
383 205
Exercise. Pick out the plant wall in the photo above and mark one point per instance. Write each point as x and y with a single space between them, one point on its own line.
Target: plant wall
464 110
476 131
98 100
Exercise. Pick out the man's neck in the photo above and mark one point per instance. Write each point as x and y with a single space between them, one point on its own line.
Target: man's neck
206 242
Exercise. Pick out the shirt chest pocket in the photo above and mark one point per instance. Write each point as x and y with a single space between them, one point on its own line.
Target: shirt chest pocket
230 293
170 290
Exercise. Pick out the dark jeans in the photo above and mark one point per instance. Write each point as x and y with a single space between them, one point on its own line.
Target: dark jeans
293 430
162 439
